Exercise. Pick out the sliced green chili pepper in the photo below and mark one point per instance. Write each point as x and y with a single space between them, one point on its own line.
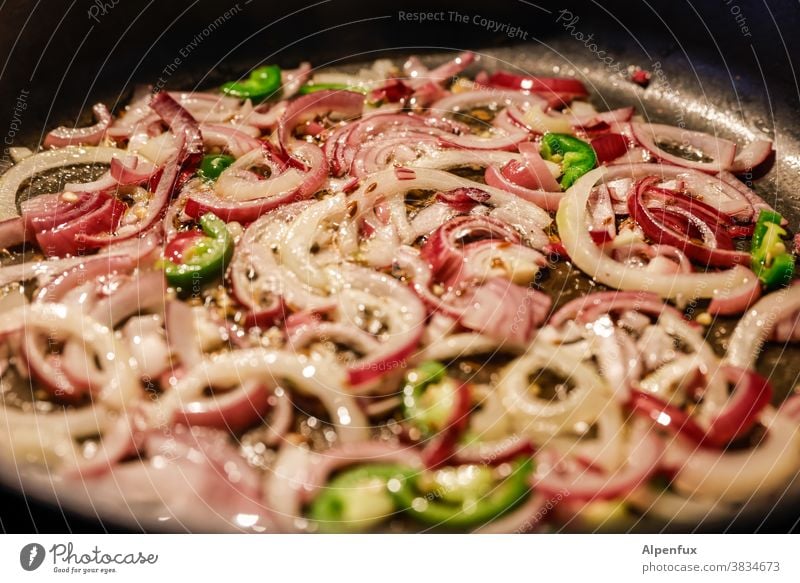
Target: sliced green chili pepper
314 87
358 499
200 259
213 165
261 84
429 397
769 258
464 496
575 156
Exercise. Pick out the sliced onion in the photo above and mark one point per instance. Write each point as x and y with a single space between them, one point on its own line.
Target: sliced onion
582 483
499 140
182 334
788 329
205 107
458 158
51 437
594 119
259 280
131 170
736 300
190 476
11 181
238 140
541 198
738 476
404 335
122 385
284 485
751 393
539 121
592 261
563 88
445 249
609 147
13 233
538 169
486 259
722 151
271 367
141 293
384 185
123 439
45 271
460 102
348 104
181 123
451 68
663 221
541 419
676 509
342 334
588 308
602 220
666 415
241 196
234 410
504 311
189 149
155 209
89 136
751 156
756 202
265 117
757 325
294 79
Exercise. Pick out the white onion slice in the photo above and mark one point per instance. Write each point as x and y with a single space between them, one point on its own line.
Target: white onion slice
314 377
757 324
122 382
542 419
32 165
571 218
737 476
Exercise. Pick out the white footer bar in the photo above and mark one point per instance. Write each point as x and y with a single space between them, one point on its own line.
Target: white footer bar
399 558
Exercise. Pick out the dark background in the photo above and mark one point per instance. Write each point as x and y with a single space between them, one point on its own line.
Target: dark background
67 60
63 61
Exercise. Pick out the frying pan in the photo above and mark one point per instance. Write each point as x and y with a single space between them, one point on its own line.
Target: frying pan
725 67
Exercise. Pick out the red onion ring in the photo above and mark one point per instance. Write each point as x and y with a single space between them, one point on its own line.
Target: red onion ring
88 136
348 104
588 484
717 251
546 200
751 156
263 197
751 393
